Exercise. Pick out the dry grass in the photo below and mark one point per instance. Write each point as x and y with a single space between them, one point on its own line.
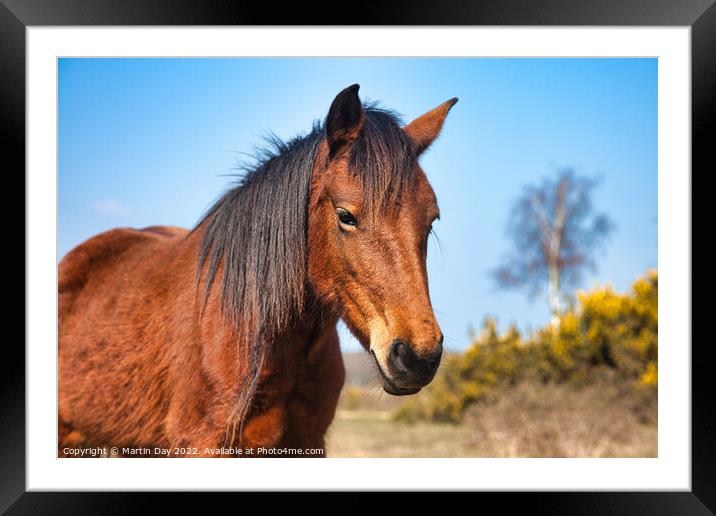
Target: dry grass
364 427
564 421
372 435
598 420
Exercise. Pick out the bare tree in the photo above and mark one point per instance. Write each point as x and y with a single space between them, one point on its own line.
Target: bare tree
555 234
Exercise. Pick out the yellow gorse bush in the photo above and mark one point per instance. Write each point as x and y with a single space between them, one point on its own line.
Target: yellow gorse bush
605 330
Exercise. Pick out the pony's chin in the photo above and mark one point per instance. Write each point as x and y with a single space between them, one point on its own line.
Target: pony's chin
390 389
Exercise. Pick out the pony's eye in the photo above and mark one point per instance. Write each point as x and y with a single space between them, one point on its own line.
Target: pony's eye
346 217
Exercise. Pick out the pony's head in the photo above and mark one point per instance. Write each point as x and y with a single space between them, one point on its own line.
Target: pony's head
371 209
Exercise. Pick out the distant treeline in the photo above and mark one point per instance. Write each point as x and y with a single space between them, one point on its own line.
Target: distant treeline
605 335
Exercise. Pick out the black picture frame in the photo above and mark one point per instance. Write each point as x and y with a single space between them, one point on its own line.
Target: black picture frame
16 15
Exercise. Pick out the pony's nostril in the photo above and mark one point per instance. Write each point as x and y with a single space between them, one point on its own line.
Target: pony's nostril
408 367
402 357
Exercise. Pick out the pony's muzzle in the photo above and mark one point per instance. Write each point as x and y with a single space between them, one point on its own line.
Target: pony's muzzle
406 371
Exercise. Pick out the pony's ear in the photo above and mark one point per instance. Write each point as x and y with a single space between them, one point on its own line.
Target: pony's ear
424 129
345 120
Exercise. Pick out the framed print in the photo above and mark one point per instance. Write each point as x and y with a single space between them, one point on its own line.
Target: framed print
424 248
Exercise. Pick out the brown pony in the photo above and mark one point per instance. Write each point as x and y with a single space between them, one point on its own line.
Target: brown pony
224 336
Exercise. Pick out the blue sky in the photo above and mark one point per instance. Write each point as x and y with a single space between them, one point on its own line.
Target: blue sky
151 141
